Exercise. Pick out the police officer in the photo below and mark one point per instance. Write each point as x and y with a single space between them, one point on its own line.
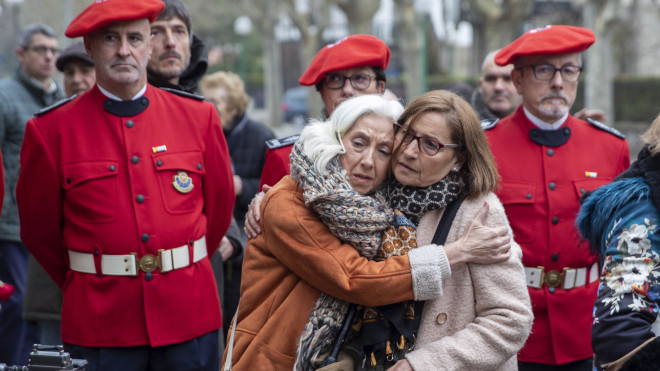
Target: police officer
352 66
547 159
124 192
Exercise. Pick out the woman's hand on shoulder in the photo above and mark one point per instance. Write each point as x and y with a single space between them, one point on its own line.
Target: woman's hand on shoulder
253 215
480 244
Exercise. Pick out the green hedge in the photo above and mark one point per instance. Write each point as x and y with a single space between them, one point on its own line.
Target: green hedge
636 98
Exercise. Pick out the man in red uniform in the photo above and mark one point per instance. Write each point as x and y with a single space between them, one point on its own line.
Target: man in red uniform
352 66
547 159
124 192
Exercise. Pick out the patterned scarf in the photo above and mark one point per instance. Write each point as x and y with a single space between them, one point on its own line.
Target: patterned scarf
414 202
355 219
390 329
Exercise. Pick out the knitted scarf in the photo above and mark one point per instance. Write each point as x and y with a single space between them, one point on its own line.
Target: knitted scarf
414 202
355 219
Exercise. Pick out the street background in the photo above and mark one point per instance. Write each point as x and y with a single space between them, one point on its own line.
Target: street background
434 43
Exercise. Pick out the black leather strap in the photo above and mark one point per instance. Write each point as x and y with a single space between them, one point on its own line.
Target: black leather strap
439 238
445 222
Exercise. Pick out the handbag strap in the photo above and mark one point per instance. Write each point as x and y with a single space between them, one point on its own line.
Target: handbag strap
439 238
442 231
230 346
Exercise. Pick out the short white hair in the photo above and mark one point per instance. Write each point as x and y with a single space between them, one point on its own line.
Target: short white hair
321 140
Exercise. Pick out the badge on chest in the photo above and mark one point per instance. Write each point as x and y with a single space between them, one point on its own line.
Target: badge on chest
182 182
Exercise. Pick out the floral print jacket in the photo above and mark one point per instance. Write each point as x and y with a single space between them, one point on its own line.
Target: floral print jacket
621 223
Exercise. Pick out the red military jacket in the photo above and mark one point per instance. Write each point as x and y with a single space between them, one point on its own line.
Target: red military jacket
95 182
540 189
277 163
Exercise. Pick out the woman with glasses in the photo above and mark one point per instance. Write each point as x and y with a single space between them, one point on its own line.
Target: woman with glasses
442 164
321 225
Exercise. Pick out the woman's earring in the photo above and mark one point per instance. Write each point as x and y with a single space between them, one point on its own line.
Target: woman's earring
455 169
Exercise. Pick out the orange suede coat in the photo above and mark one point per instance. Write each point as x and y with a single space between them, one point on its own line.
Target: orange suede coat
285 269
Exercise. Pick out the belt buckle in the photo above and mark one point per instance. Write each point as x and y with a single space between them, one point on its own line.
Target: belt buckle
148 263
553 278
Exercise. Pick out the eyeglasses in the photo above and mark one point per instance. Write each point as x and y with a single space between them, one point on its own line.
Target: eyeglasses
546 72
426 145
336 81
43 50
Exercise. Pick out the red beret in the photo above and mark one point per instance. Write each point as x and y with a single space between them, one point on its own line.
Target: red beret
101 13
350 52
551 39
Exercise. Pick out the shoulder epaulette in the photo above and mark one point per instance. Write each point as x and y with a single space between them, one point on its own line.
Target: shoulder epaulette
603 127
487 124
184 94
53 106
282 142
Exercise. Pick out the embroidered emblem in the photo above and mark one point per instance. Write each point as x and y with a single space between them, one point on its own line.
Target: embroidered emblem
182 182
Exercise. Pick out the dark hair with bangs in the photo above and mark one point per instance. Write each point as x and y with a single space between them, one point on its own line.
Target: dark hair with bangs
175 8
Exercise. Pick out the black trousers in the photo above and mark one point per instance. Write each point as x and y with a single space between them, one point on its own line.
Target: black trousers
200 353
583 365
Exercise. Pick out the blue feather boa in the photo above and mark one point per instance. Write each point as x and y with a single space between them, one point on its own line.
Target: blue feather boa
600 206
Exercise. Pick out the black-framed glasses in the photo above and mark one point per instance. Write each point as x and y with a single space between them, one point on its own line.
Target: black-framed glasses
42 49
427 145
546 72
359 82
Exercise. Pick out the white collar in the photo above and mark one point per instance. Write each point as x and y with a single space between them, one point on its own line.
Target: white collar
542 124
114 97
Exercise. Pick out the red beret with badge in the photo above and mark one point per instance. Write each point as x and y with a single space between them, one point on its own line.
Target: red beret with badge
350 52
550 39
101 13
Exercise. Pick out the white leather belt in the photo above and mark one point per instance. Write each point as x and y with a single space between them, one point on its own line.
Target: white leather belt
568 279
129 265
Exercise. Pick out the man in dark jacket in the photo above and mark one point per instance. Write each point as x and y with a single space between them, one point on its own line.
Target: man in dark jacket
30 89
496 96
179 59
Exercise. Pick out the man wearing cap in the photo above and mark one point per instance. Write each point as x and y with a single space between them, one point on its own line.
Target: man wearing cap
28 90
78 69
352 66
124 193
547 159
43 298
